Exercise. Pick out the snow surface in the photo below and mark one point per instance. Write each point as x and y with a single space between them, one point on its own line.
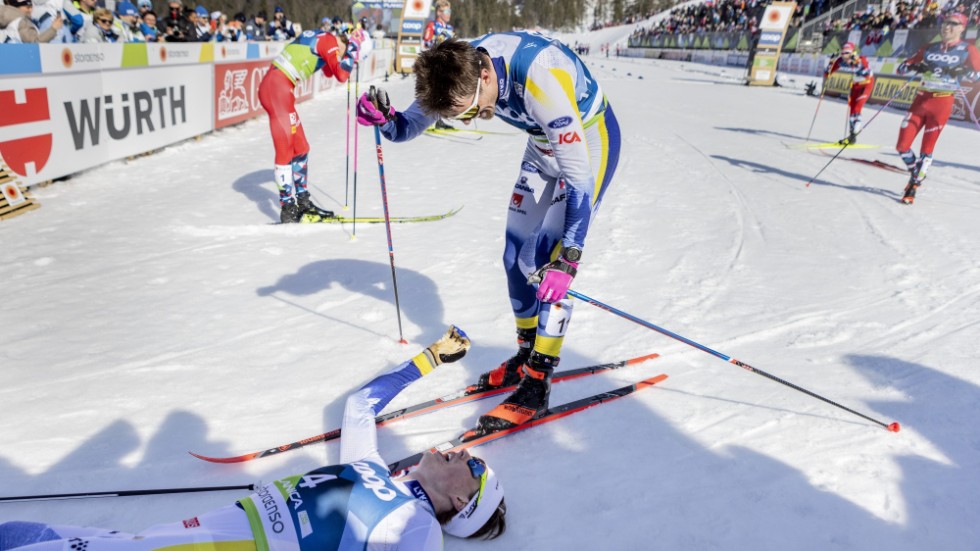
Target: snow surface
151 309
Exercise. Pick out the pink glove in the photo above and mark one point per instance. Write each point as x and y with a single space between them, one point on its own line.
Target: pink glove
554 279
374 108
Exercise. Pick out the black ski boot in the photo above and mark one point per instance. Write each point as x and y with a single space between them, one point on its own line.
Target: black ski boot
306 206
508 373
290 213
442 125
528 401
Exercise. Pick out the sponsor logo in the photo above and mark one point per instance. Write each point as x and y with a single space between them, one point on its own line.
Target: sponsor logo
560 122
569 137
30 106
528 167
233 98
272 513
66 58
143 111
944 58
558 199
411 26
192 523
770 38
12 194
516 200
163 55
373 482
524 187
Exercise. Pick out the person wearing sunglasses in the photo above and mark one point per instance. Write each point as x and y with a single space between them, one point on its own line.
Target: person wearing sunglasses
941 66
439 30
353 505
862 84
541 87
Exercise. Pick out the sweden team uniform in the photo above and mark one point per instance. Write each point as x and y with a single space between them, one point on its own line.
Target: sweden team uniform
572 151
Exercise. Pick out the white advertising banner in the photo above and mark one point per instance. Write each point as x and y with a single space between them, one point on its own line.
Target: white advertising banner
61 124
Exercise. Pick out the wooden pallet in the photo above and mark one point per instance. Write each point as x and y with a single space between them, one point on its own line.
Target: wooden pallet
13 199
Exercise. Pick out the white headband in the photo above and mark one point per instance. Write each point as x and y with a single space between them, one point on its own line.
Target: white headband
478 511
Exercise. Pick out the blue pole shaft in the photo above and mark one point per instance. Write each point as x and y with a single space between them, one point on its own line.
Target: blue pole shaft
391 247
893 427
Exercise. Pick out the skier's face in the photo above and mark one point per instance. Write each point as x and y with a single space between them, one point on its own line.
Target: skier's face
951 31
481 104
453 472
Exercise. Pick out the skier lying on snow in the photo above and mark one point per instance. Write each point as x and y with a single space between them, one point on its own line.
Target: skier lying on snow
354 505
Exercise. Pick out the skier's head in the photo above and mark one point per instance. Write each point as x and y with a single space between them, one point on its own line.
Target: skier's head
465 493
443 10
847 49
456 80
953 26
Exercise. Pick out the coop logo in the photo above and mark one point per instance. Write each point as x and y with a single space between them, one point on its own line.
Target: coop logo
26 116
411 26
944 58
770 39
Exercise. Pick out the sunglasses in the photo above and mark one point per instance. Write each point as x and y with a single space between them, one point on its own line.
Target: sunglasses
951 23
105 21
474 109
479 470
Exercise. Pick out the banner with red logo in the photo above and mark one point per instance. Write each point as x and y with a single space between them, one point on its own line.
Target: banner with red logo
236 91
55 125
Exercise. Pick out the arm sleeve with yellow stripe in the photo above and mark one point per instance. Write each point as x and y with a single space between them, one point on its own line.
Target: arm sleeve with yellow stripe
359 440
550 96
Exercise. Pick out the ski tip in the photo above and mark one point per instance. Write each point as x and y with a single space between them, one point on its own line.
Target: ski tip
894 427
639 359
652 380
238 459
402 341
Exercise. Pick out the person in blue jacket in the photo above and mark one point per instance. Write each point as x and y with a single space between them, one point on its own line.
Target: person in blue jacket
541 87
356 504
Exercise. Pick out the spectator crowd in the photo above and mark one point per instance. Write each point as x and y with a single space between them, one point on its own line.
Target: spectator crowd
91 21
744 15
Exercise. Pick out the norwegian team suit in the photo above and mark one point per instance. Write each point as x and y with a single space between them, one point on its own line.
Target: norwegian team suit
933 103
862 84
352 506
571 155
312 51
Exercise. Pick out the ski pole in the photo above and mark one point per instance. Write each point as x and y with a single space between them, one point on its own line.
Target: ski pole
893 427
969 109
819 101
347 168
883 107
357 92
391 248
125 493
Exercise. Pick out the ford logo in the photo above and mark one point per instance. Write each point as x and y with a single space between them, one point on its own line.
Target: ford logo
560 122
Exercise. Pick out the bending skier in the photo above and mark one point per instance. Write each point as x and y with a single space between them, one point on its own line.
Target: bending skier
354 505
540 86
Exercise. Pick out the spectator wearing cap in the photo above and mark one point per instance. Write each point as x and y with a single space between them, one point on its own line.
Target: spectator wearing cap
127 25
148 26
255 28
200 20
16 24
280 28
